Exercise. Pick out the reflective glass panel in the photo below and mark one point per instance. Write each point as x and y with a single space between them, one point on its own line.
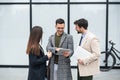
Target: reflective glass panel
45 16
14 33
87 0
96 16
14 0
114 0
49 0
114 25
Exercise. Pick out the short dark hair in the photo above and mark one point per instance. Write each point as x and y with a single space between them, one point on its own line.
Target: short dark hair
60 21
82 23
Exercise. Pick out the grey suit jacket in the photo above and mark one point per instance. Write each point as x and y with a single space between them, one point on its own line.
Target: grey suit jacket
64 68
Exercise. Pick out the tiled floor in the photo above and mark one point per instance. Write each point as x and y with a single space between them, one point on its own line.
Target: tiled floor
21 74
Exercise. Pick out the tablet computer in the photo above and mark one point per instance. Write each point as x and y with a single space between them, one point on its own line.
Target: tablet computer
62 50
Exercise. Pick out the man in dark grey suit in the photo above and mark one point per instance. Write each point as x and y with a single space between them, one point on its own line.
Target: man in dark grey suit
60 62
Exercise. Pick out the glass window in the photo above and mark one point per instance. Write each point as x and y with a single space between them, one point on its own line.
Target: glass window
14 0
49 0
114 25
87 0
96 16
45 16
14 33
114 0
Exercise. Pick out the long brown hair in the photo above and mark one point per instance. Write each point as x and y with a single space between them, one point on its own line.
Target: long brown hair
34 39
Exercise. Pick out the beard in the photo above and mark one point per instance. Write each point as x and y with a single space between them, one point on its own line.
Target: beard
78 32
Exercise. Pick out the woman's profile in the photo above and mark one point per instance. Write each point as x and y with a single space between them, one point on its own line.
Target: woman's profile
37 58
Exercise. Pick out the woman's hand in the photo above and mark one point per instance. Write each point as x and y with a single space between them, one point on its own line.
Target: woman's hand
49 54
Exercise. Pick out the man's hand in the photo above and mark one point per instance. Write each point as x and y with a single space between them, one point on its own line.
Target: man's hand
66 54
57 49
80 61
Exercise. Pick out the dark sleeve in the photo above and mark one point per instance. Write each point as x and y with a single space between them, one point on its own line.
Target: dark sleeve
35 60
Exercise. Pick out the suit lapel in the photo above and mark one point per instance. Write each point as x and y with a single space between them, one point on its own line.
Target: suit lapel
53 40
85 39
62 39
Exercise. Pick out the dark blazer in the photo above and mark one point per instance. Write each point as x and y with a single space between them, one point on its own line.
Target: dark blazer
37 66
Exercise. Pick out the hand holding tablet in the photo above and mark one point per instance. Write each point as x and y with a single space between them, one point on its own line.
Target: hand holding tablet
64 52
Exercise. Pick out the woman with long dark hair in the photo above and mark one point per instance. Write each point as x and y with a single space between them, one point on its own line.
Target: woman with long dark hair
37 58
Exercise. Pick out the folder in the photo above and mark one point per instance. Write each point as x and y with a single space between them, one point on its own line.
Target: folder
82 53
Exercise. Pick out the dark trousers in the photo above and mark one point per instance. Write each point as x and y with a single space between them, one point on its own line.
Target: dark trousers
83 77
86 78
